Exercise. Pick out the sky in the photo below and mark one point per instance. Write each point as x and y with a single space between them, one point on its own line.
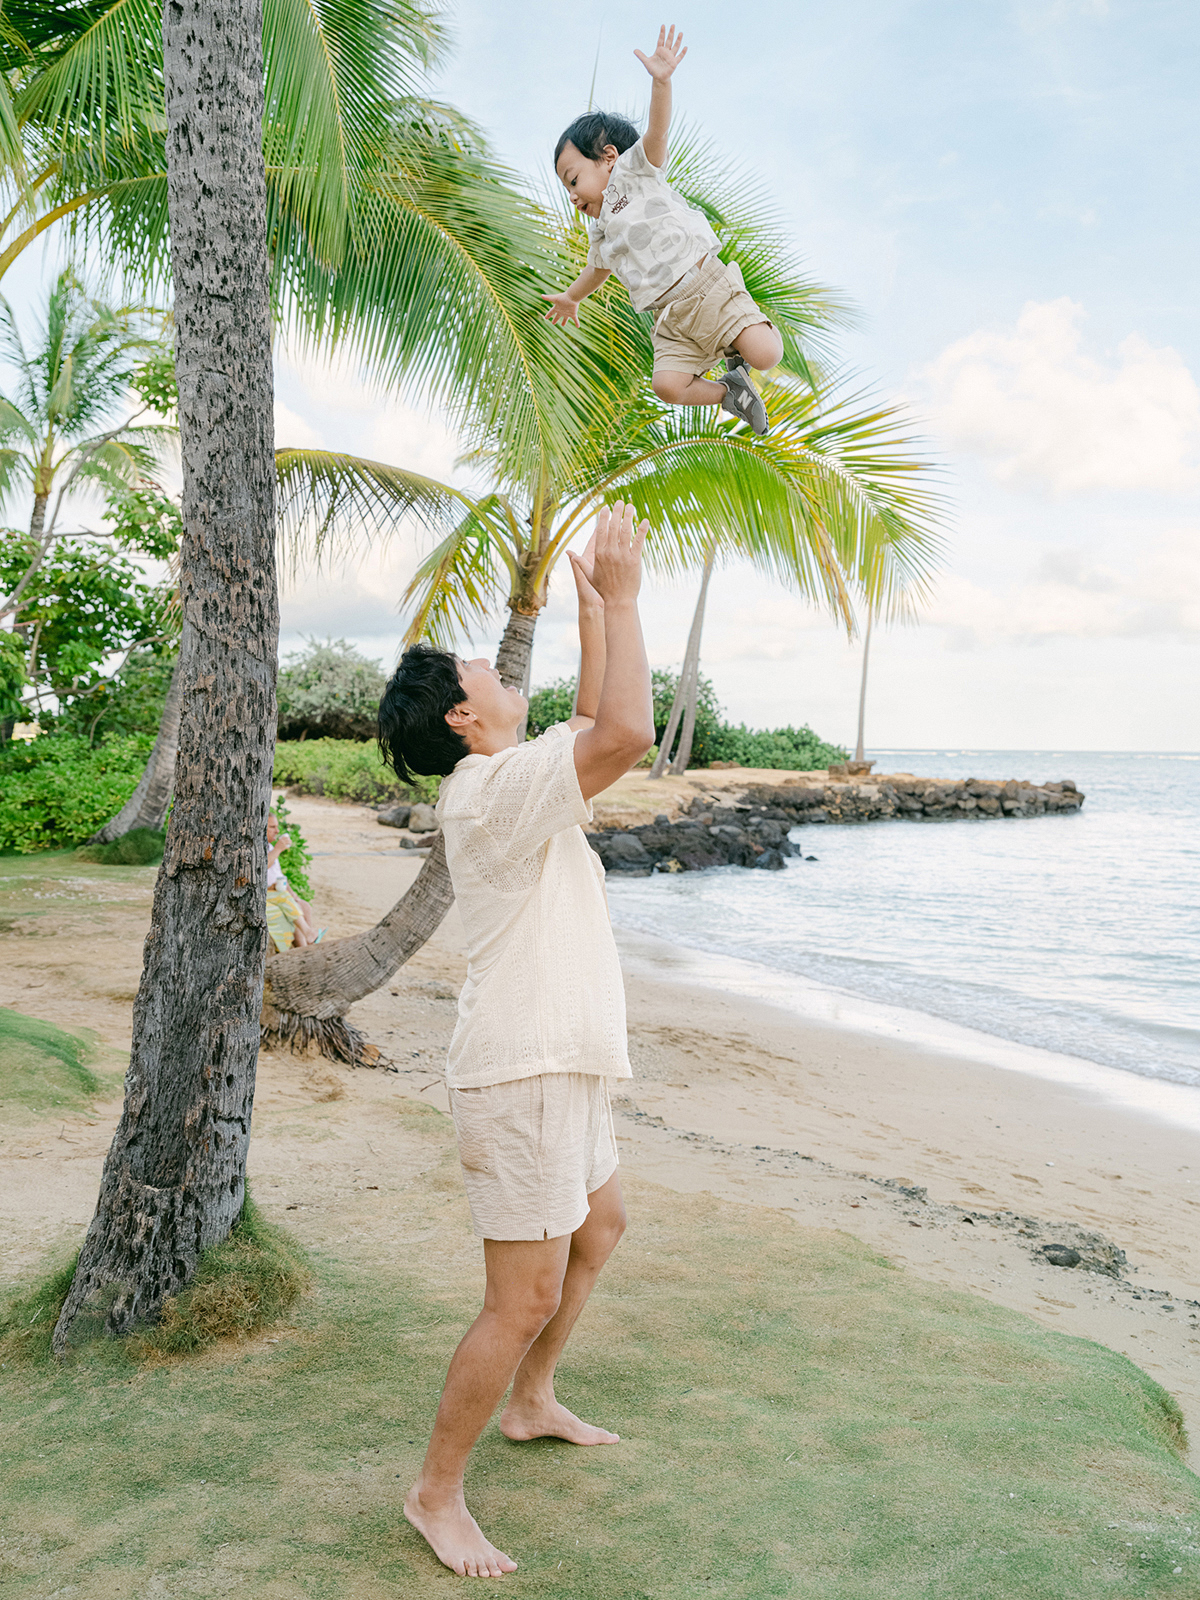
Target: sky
1007 194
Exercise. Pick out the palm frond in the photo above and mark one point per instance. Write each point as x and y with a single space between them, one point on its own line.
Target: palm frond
456 587
329 502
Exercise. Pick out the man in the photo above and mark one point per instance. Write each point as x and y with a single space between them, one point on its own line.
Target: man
541 1018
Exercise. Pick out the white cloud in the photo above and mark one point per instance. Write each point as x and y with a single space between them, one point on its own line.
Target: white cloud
1041 410
1073 594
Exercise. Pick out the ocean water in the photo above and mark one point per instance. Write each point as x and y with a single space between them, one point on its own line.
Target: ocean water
1077 934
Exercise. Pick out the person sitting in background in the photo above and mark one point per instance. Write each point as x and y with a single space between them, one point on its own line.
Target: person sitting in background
289 919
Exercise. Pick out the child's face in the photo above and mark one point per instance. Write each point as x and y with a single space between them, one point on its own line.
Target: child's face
585 180
272 828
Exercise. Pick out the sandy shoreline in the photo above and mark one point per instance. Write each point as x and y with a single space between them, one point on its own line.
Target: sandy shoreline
731 1095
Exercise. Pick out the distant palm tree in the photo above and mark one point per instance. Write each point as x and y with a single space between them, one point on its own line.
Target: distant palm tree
59 432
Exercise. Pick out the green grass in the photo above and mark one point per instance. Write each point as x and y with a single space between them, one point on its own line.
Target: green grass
798 1419
44 1068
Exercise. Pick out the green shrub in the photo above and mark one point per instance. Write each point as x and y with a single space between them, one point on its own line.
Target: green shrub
137 848
329 691
792 749
345 769
131 703
57 790
713 739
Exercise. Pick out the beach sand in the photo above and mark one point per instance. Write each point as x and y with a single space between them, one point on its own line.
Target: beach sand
757 1104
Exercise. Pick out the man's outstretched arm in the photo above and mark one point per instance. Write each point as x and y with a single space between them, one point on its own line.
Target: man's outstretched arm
613 665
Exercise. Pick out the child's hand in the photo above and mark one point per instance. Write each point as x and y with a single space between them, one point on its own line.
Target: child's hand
666 58
562 310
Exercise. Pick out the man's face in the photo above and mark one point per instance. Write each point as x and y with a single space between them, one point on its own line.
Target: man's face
272 828
583 179
494 705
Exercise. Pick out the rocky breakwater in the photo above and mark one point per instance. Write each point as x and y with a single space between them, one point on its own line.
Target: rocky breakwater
711 836
751 828
902 795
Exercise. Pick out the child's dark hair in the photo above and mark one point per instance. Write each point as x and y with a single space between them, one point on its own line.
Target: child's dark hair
591 132
414 735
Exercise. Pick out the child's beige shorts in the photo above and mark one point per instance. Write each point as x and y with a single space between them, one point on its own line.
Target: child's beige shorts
532 1151
700 321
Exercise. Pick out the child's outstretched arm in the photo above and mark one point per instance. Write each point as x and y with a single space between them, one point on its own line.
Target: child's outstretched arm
670 52
564 307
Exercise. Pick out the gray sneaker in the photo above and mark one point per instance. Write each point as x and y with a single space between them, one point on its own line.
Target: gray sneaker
742 399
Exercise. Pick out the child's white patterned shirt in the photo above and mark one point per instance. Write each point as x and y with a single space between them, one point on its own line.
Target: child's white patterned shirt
544 990
646 233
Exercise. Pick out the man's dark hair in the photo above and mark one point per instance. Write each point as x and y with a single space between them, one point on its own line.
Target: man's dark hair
591 132
414 735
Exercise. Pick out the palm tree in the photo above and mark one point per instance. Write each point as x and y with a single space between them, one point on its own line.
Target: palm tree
862 690
174 1179
59 434
687 690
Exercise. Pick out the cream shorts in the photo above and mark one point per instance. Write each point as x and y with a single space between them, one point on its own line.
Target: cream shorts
699 323
532 1151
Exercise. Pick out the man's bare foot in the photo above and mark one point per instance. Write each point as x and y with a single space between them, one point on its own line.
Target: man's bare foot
521 1421
454 1536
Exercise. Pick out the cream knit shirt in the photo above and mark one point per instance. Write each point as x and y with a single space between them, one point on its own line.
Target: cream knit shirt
543 990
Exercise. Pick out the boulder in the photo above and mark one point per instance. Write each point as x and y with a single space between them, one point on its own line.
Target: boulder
395 816
771 861
422 819
623 852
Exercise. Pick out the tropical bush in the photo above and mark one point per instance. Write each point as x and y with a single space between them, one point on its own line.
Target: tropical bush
58 789
132 702
344 769
329 691
715 740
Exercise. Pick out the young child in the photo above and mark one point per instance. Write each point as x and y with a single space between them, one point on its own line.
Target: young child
665 253
289 919
541 1018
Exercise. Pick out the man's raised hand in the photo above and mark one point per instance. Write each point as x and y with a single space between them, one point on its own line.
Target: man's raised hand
617 561
670 52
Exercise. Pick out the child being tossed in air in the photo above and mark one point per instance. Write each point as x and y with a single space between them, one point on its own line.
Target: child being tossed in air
665 253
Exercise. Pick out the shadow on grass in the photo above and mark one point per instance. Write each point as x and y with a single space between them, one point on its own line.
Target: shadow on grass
798 1419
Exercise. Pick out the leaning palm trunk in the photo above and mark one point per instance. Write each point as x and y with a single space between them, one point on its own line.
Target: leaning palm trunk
308 992
174 1179
687 690
147 805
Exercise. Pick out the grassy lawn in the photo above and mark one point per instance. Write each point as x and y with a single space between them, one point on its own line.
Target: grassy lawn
797 1419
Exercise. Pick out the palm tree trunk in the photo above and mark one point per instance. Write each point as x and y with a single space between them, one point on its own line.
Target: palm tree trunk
308 992
174 1179
147 805
688 689
862 692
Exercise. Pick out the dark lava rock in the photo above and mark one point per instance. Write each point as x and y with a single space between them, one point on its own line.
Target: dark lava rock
771 860
395 816
1061 1255
625 853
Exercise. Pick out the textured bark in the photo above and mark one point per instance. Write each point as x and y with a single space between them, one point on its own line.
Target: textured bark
862 692
309 991
515 654
174 1179
687 690
147 805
